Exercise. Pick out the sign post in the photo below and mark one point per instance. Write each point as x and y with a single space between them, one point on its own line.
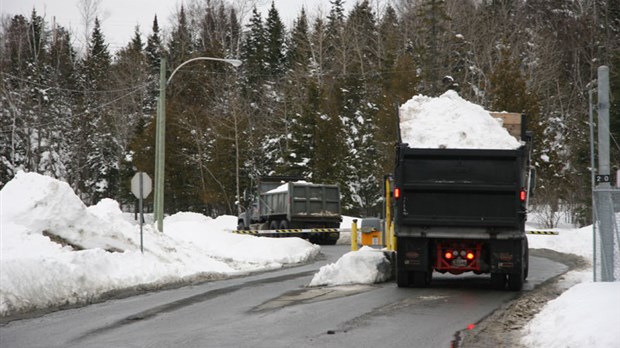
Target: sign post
141 186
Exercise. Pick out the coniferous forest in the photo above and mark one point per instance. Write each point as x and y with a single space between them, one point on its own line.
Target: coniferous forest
317 100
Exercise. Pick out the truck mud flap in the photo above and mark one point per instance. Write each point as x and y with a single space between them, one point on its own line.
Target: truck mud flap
413 254
507 256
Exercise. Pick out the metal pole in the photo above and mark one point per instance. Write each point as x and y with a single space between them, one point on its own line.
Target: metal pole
160 149
603 123
141 213
592 171
604 209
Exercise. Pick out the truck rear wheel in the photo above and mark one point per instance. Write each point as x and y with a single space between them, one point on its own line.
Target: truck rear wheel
498 281
273 225
403 278
515 280
421 279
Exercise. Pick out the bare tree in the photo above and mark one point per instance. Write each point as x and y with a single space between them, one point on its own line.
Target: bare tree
89 10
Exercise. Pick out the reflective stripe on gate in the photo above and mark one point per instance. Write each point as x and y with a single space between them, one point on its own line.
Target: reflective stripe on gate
310 230
551 233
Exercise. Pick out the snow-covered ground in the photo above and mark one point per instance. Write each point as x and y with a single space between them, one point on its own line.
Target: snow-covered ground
101 251
102 254
588 313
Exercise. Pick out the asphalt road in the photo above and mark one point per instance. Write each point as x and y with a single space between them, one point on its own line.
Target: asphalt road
276 309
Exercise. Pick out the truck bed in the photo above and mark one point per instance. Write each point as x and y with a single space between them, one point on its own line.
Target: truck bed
461 188
302 202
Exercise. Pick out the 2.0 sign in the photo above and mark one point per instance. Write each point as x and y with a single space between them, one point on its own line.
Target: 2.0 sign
603 178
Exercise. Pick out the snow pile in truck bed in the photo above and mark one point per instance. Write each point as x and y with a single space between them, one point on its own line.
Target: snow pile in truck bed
284 187
449 121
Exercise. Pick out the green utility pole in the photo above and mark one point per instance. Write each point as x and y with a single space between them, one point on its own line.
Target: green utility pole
160 149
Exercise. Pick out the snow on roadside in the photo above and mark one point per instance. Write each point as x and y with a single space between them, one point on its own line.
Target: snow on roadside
586 315
365 266
101 251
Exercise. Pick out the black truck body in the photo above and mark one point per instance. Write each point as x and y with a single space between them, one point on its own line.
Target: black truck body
461 210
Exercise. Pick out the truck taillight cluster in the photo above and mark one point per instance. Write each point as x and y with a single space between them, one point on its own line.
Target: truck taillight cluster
466 254
457 257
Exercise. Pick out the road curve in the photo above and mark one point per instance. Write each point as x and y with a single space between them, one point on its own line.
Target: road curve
277 309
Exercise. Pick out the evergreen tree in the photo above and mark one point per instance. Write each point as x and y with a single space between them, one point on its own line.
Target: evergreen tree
233 35
98 149
358 111
154 49
181 45
298 53
253 51
274 43
335 60
133 112
301 107
432 30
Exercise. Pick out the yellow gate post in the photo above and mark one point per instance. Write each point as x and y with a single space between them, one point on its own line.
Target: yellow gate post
390 242
354 235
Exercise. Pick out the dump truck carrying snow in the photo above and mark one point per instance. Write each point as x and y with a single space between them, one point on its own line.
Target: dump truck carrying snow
461 187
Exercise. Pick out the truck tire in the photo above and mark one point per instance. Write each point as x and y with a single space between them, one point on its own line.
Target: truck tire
284 225
515 281
421 279
273 225
329 238
403 278
498 281
526 259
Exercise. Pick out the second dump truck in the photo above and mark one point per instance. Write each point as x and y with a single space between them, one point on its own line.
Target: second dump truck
463 210
291 207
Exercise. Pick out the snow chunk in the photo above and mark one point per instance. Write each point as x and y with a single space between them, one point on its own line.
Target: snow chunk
449 121
365 266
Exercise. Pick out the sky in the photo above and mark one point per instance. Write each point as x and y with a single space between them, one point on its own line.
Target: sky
101 253
119 17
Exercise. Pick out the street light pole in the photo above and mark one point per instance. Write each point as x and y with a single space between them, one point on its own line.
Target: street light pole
160 136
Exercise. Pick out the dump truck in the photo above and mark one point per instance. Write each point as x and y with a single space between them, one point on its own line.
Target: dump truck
463 210
287 206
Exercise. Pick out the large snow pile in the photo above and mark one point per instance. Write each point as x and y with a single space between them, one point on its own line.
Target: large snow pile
55 251
586 315
449 121
365 266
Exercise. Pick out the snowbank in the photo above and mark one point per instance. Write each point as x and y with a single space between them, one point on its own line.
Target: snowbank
449 121
586 315
56 251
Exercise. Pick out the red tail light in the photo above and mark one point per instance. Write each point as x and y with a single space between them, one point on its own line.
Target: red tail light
470 255
448 255
396 193
523 195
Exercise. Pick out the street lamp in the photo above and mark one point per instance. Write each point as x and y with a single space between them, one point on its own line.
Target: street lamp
160 135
